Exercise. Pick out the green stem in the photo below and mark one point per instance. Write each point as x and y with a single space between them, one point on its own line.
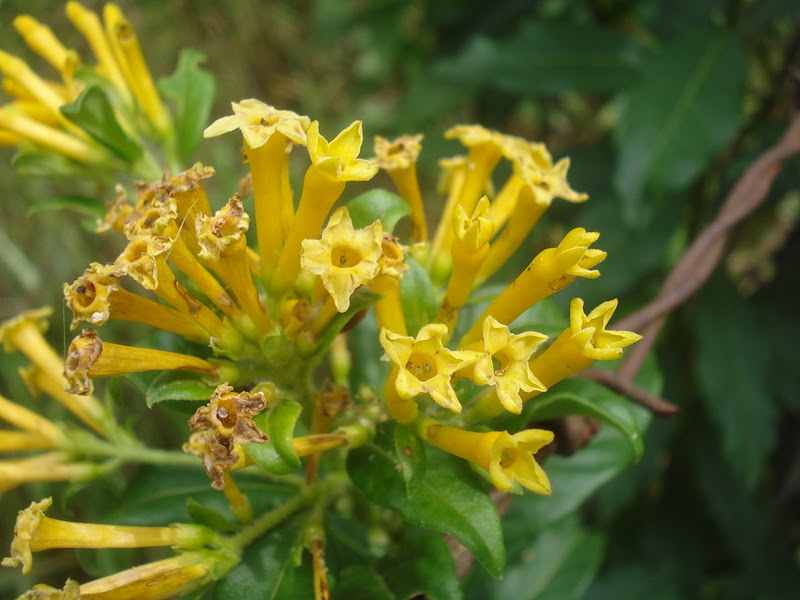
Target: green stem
91 446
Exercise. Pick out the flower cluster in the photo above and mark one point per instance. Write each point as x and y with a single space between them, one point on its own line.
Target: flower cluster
255 312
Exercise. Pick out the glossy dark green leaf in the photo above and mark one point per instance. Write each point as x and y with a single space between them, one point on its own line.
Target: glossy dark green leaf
269 568
545 59
451 499
178 386
192 89
410 451
360 582
277 455
575 478
417 297
559 564
682 111
421 564
375 205
367 367
583 397
731 363
93 112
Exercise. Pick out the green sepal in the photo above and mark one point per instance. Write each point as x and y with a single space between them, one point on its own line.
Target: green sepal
211 518
277 455
93 112
192 89
417 297
411 454
178 386
375 205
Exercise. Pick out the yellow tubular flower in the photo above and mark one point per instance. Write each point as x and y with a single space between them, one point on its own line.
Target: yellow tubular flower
504 363
144 261
152 581
333 164
469 250
389 308
41 39
53 139
90 358
52 466
454 172
24 333
9 139
345 258
399 159
88 23
96 296
36 425
125 46
224 246
542 183
268 135
486 148
23 441
578 346
507 458
552 270
35 532
18 70
426 366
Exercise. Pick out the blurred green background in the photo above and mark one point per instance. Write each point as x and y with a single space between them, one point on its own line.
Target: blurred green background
661 105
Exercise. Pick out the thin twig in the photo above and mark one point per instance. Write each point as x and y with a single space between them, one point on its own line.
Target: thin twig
625 386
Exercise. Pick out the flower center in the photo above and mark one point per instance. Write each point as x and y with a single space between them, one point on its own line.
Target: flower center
85 294
345 257
507 457
226 413
421 365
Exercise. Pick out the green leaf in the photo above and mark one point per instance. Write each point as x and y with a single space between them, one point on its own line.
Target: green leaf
360 582
375 205
178 386
83 205
684 109
417 297
451 499
366 349
558 564
92 112
277 455
192 89
575 478
546 59
584 397
421 564
731 363
410 451
269 568
33 161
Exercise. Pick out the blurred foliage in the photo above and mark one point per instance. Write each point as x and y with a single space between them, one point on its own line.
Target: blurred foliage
661 106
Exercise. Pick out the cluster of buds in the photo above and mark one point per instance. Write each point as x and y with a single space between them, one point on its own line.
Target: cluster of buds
93 118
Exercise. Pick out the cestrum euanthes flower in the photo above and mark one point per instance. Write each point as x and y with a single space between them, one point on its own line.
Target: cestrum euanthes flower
256 311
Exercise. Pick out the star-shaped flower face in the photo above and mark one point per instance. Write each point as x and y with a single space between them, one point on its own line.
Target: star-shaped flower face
512 460
224 232
338 159
259 121
476 231
400 153
141 260
344 258
590 335
28 521
426 366
504 364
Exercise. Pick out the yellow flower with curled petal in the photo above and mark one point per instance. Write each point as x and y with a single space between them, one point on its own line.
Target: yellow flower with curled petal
504 363
425 365
338 159
34 532
259 121
507 458
590 335
345 258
